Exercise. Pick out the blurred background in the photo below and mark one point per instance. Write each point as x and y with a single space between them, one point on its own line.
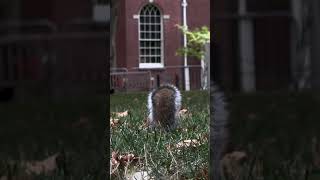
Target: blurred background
49 47
266 55
266 45
53 103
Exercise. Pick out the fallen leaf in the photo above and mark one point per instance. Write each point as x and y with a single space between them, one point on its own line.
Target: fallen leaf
184 144
41 167
203 174
122 160
122 114
114 122
139 175
184 113
232 163
114 162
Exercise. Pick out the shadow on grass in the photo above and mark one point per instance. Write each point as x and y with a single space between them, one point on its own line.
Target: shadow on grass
71 127
280 134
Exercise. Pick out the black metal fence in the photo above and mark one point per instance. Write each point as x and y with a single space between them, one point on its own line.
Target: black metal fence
121 79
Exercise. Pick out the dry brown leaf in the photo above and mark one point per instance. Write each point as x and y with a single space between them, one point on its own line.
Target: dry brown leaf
184 113
184 144
114 162
122 114
122 160
114 122
203 174
232 163
41 167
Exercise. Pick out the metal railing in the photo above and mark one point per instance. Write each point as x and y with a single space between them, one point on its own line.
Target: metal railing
130 81
140 80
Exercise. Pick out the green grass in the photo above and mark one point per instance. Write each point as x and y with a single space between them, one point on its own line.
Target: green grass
35 130
151 146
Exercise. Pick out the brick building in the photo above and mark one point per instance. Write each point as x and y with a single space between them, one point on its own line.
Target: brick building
147 37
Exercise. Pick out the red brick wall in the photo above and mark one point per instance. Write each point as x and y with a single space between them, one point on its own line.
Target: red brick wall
198 13
121 35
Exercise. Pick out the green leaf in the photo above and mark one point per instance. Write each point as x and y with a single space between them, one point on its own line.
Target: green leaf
196 40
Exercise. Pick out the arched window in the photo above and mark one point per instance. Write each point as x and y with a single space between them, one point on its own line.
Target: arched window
150 37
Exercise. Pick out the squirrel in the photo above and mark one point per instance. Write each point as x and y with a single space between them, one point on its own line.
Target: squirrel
164 104
219 130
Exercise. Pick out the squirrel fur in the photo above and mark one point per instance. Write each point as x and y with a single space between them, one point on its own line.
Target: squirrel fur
219 130
164 104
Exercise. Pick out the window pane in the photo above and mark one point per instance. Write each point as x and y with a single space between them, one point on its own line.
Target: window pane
150 34
153 35
142 19
142 59
157 20
158 27
158 12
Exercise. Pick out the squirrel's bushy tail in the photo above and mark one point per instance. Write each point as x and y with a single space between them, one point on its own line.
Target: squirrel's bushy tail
218 129
164 104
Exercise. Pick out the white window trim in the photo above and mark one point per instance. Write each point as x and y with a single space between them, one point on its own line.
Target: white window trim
151 65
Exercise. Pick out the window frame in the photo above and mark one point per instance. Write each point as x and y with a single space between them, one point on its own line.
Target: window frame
151 65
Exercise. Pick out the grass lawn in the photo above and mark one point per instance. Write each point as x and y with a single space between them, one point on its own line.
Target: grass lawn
37 129
163 155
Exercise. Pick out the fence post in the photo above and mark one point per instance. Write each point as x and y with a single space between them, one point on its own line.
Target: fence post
158 80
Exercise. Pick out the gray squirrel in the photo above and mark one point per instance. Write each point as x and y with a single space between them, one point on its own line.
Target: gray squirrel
164 104
219 130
